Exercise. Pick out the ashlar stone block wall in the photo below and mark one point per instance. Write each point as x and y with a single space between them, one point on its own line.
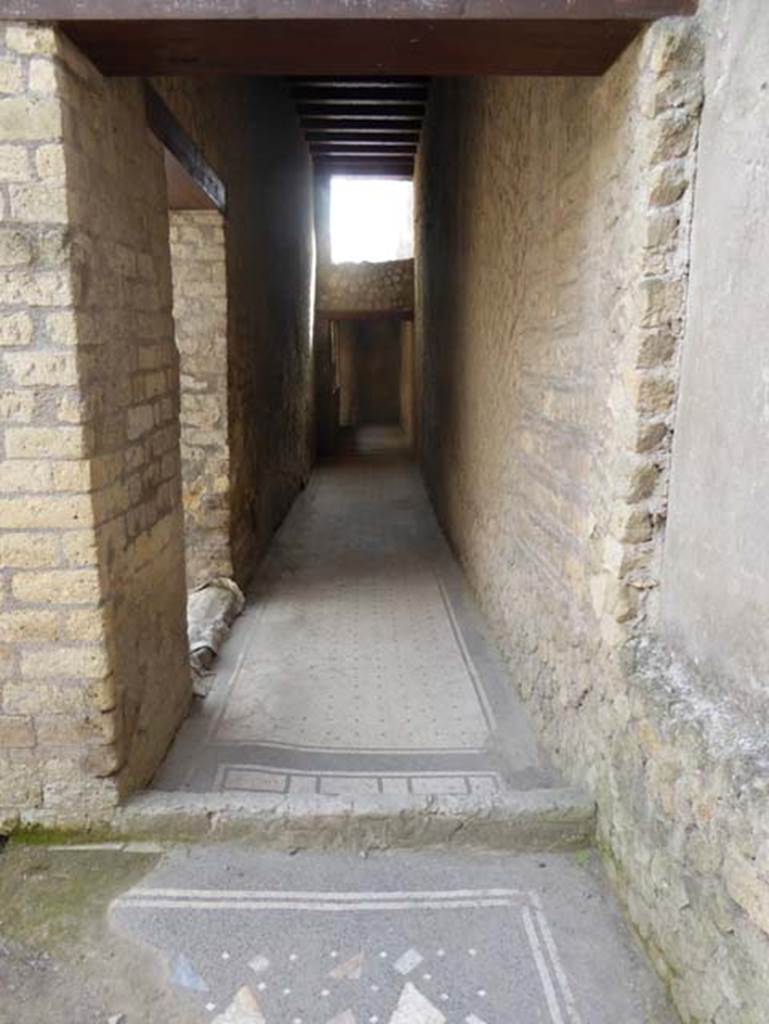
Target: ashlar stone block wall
94 664
199 273
553 255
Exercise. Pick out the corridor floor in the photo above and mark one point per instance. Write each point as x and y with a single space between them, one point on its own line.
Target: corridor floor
392 939
223 933
360 665
360 668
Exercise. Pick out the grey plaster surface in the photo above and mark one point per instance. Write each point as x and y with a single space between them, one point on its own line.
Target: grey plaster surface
361 667
715 590
407 939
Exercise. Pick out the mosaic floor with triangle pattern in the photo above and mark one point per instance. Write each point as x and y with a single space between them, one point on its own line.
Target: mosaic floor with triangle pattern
407 939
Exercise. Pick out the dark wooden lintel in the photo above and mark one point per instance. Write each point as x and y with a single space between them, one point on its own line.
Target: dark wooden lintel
343 10
164 125
367 314
380 168
351 46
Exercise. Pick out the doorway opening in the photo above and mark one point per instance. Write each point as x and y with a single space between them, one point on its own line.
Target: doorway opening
373 360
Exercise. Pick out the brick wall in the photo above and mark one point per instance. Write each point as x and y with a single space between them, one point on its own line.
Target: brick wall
94 675
90 515
248 130
199 273
552 273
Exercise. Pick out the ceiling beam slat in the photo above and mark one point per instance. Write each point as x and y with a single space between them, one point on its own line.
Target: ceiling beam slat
383 147
391 111
365 154
361 125
344 138
359 94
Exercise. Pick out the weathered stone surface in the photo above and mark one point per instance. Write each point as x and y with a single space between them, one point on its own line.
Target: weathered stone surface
365 287
198 253
549 819
555 305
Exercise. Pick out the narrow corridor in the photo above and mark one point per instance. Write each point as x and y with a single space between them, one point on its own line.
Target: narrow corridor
237 234
361 669
361 665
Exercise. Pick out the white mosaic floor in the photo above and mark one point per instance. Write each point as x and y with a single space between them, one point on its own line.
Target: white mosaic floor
357 667
363 658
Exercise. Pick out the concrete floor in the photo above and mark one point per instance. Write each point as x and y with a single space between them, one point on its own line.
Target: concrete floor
361 665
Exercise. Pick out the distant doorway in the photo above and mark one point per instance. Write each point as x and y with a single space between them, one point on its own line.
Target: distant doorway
369 372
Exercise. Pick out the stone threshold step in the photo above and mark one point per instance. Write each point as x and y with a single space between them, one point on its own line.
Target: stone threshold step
536 820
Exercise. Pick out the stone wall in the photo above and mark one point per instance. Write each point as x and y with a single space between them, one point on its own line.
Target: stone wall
552 258
715 571
249 132
94 676
199 274
94 663
366 287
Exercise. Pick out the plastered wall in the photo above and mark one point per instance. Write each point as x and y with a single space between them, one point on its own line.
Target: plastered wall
716 570
553 309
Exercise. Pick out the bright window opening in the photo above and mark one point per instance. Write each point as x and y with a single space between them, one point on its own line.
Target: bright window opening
372 219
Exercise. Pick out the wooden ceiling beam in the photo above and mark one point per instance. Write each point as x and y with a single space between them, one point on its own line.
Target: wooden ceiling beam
369 81
363 124
354 46
352 108
400 313
344 10
333 96
186 153
364 152
384 138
